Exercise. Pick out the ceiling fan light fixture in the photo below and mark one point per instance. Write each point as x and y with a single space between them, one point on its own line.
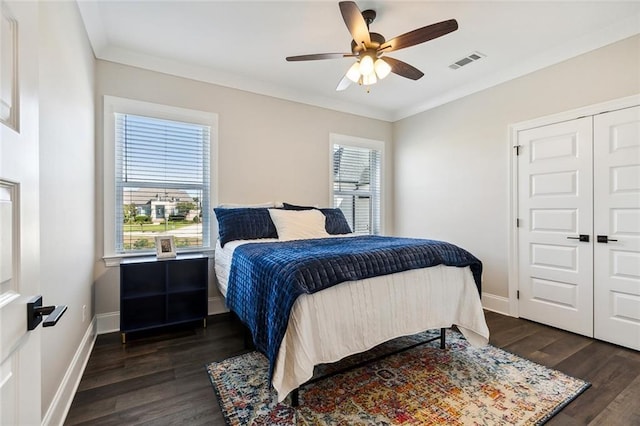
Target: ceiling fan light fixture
354 72
366 65
382 68
369 79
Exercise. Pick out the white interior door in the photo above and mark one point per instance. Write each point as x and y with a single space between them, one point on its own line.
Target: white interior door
19 214
617 217
554 209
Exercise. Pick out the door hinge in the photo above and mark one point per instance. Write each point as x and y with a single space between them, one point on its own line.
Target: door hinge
517 148
518 294
517 223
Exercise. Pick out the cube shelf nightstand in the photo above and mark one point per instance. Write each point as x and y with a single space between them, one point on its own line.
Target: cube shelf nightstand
157 293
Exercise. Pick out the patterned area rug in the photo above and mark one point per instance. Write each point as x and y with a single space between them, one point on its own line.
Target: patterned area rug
426 385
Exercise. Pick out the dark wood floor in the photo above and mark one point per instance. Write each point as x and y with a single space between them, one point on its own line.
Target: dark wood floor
160 379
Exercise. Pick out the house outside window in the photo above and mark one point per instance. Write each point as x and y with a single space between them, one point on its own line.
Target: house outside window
159 212
356 166
159 166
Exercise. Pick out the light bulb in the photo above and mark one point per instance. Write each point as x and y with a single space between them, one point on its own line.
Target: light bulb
366 65
369 79
382 68
354 72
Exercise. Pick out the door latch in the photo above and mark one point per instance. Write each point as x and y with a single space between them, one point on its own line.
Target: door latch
604 239
35 311
583 237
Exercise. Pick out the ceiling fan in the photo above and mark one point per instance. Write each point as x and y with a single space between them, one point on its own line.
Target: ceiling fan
369 48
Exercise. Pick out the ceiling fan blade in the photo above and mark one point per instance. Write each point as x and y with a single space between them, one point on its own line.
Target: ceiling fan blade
419 36
317 56
344 83
355 22
403 69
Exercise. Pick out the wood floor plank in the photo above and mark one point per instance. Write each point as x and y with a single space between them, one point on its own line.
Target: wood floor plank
607 382
533 342
590 358
562 419
160 378
511 335
560 349
119 375
85 411
125 386
624 410
153 412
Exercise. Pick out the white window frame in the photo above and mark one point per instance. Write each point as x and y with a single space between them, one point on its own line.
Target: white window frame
346 140
113 105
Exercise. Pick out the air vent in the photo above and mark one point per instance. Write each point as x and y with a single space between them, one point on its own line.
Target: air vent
467 60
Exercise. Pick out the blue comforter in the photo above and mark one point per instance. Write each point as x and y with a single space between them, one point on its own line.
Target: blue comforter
266 278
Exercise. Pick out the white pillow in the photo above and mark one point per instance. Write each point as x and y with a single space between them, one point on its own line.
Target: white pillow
298 224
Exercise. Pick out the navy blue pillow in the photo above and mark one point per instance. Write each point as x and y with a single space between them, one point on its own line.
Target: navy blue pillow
248 223
288 206
335 222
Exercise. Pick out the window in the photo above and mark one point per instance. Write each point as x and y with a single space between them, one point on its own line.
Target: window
356 181
158 174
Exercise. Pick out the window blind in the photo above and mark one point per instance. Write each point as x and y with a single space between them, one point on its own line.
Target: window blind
356 186
162 182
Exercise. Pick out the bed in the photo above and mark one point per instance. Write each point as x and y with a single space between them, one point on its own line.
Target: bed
324 325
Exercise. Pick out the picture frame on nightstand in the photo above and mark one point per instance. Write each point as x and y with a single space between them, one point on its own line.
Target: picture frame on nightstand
165 246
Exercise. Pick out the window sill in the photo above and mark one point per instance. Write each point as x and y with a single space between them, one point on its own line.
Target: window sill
111 261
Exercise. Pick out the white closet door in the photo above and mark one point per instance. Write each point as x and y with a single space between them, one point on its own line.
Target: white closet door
617 218
554 207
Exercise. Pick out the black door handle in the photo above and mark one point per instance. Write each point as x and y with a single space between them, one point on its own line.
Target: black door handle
583 237
35 311
604 239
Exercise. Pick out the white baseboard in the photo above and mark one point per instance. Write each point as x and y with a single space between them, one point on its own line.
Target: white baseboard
110 322
217 306
59 408
494 303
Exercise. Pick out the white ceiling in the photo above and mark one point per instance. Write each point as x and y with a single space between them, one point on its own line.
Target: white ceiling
243 44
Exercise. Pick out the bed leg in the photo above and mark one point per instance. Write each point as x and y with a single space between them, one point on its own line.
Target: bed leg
246 338
443 338
295 398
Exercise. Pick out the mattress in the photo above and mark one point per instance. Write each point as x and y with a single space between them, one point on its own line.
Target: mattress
223 257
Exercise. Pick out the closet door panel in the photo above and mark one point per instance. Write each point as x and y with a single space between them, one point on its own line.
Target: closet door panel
617 216
554 207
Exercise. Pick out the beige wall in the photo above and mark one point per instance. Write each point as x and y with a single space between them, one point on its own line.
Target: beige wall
67 190
268 149
452 162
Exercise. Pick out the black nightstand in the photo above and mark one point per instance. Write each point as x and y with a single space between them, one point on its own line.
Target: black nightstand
157 293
